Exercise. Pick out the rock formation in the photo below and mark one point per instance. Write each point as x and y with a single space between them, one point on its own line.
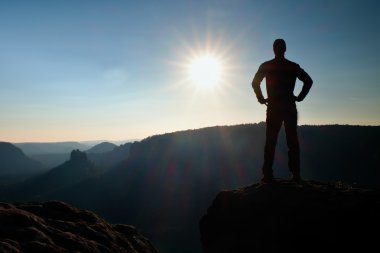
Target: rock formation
78 157
289 217
58 227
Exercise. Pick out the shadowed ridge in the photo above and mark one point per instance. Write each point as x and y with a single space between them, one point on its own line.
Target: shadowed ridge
58 227
73 171
285 216
13 161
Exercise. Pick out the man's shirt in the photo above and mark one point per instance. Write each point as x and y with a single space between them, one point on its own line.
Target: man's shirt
281 75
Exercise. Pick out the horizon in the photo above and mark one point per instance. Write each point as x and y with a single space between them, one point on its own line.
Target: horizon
123 141
88 142
86 71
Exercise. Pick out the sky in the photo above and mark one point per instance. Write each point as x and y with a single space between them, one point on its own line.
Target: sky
117 70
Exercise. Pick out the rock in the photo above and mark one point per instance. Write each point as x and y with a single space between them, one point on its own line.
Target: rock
289 217
58 227
78 156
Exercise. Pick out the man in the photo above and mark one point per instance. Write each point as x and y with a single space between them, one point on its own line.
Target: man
281 75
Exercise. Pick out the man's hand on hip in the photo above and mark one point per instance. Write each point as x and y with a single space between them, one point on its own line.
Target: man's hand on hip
263 101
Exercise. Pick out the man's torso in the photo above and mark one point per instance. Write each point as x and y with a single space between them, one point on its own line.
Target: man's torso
281 75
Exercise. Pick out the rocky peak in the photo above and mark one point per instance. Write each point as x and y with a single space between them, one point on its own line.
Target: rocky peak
78 156
289 217
58 227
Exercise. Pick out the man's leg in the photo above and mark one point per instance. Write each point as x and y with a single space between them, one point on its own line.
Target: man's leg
290 123
273 123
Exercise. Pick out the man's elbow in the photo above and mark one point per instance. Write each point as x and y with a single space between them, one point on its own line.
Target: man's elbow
309 83
255 85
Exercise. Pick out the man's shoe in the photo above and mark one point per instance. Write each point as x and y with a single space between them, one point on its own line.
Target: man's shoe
297 179
267 179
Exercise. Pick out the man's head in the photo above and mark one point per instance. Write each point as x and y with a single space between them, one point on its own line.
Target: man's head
279 47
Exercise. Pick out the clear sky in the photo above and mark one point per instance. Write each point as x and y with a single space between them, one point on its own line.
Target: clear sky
86 70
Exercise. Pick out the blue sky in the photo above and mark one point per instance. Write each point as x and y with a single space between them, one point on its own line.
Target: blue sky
85 70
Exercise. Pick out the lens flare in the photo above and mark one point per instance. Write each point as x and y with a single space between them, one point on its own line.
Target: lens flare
205 71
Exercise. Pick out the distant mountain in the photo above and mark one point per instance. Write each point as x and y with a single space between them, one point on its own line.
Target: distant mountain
169 180
111 158
51 160
36 148
41 187
101 148
15 165
103 155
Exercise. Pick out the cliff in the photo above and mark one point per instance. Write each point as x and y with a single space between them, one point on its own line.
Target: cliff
290 217
58 227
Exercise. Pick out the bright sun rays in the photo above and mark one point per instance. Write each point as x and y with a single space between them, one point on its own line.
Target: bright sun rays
205 68
205 71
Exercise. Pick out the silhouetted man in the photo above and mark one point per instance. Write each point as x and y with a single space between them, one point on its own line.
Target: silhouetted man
281 75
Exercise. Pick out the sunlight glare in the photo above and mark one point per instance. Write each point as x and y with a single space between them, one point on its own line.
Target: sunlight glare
205 71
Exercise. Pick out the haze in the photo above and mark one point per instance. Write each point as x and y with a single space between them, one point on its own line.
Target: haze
86 70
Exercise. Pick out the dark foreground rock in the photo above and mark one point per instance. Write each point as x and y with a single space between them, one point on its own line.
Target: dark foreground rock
289 217
58 227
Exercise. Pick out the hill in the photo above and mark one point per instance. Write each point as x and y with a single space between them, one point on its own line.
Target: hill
101 148
58 227
15 165
105 155
109 159
37 148
289 217
51 160
41 187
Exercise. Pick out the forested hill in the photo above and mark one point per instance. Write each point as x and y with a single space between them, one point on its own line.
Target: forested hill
328 153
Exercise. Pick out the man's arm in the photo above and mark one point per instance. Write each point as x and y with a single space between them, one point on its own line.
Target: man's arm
259 76
307 83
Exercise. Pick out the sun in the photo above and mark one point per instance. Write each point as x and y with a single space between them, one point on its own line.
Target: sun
205 71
